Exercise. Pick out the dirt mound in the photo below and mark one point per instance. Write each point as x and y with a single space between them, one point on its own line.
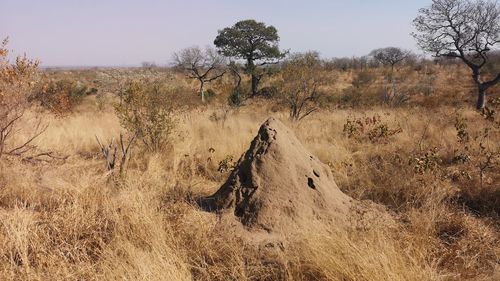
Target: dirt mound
278 186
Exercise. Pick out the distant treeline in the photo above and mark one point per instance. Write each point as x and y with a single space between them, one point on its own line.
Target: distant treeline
366 62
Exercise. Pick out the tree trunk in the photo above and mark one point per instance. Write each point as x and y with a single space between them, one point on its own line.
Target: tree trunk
481 98
202 93
250 68
255 84
481 89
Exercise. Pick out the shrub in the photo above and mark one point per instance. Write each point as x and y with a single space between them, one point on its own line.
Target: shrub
476 160
370 128
16 82
61 96
235 98
300 85
226 165
363 79
361 90
145 109
268 92
426 82
209 94
426 162
220 115
100 101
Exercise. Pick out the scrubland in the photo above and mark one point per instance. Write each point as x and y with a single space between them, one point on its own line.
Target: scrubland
431 160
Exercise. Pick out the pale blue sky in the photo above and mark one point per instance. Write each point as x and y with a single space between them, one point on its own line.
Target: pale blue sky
126 32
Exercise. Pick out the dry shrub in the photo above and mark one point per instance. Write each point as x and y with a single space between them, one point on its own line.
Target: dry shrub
16 82
371 128
475 163
145 110
300 85
62 95
359 90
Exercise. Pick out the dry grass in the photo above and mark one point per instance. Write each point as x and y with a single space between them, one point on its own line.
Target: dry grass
69 221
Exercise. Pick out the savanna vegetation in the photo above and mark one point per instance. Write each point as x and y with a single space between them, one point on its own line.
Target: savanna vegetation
100 168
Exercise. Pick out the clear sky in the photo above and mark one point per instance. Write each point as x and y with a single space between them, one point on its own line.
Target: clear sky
126 32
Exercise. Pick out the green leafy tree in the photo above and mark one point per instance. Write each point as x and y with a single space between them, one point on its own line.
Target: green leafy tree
253 42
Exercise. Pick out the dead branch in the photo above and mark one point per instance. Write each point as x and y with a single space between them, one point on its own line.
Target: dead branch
110 152
126 151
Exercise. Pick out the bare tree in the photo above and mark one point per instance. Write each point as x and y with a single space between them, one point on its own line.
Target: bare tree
202 65
463 29
302 76
390 56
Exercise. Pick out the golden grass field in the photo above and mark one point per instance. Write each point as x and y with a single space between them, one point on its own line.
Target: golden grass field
67 220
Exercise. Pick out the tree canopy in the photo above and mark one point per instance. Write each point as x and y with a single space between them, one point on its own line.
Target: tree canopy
253 42
463 29
203 65
390 55
249 40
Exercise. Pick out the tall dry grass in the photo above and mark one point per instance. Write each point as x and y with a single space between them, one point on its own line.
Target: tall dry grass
67 220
